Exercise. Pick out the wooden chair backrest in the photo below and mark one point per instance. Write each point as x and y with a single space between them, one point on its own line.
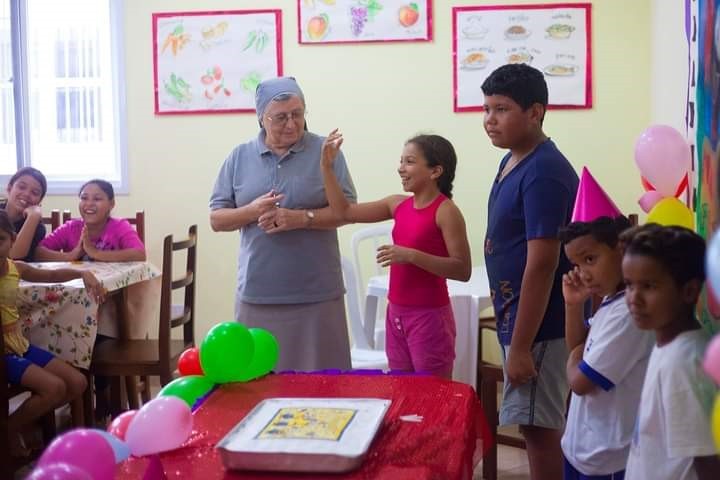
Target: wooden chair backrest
53 220
169 284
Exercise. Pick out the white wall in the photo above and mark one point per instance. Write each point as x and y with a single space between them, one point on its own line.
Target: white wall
669 72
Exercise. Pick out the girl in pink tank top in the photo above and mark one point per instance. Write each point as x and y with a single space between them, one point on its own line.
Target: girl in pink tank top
430 245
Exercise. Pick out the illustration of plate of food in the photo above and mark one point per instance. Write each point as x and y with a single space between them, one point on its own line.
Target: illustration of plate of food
474 61
559 30
559 70
519 57
516 32
474 29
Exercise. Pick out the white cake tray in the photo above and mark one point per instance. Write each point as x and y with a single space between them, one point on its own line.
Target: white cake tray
304 435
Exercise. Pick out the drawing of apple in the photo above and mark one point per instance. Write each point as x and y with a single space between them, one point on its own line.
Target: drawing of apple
408 14
317 26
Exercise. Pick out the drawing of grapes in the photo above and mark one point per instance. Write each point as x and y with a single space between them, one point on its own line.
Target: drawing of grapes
364 11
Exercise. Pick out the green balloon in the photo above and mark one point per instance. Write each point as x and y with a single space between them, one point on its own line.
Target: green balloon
188 388
265 357
226 352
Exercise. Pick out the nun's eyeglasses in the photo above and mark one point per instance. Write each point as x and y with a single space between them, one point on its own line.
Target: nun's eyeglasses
282 118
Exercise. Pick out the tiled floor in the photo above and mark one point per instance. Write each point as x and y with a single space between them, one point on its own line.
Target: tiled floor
512 465
512 462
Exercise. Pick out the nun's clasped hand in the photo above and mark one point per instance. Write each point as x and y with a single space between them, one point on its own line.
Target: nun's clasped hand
281 220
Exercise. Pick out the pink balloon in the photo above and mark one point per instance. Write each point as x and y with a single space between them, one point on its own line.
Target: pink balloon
649 199
162 424
711 362
59 471
119 426
663 156
84 449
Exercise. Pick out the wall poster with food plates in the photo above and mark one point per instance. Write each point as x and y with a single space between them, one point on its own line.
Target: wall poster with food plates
554 38
211 62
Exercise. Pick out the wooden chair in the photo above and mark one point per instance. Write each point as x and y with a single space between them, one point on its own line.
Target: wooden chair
7 392
488 377
53 220
155 357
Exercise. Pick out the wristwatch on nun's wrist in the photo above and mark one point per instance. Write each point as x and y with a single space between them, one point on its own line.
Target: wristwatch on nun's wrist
310 215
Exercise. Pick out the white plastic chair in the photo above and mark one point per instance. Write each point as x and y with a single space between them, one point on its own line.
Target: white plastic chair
362 356
378 234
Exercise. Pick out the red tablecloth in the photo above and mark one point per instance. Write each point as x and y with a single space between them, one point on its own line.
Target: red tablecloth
439 447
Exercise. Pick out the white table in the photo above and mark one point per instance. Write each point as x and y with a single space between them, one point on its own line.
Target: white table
467 299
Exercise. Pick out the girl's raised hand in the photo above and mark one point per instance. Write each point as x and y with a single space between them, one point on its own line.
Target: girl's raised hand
330 148
33 211
574 289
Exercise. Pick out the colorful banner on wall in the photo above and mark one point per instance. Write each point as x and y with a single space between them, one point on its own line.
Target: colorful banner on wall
704 36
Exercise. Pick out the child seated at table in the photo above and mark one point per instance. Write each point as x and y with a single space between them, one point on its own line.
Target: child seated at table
97 236
51 381
608 354
25 190
664 270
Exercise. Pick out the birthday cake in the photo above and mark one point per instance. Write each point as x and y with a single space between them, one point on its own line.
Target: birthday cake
304 434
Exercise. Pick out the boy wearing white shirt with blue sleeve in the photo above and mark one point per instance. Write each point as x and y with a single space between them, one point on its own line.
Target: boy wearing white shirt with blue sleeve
608 353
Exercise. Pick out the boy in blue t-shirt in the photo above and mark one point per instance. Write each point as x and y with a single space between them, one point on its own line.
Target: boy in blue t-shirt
531 198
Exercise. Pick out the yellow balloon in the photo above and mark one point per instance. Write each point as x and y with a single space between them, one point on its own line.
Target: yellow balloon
671 211
715 422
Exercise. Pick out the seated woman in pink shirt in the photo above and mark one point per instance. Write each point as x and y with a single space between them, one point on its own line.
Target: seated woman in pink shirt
97 236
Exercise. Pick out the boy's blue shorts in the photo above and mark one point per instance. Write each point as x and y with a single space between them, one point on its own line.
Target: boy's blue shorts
570 473
15 365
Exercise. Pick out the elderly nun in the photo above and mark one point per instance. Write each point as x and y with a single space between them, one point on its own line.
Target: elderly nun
289 278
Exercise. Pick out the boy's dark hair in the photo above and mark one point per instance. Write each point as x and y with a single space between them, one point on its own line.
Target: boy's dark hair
5 223
523 83
30 172
603 229
438 151
678 249
103 185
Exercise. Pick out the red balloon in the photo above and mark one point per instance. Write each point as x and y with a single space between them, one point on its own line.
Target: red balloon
119 426
189 362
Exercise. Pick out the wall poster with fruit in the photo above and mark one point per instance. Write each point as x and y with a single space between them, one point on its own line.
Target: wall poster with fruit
353 21
554 38
211 62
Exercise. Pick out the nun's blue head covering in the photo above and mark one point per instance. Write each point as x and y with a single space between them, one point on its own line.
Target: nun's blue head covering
269 89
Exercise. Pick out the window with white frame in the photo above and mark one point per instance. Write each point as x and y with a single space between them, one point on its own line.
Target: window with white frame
61 99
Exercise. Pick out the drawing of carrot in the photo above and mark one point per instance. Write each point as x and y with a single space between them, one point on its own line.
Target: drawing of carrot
176 40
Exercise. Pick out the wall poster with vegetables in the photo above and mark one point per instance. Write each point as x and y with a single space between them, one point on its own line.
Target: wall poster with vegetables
358 21
211 62
554 38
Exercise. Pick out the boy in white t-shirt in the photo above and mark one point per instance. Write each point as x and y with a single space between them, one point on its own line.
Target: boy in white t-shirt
608 353
664 270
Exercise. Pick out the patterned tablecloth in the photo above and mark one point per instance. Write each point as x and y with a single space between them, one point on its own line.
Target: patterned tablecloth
63 319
